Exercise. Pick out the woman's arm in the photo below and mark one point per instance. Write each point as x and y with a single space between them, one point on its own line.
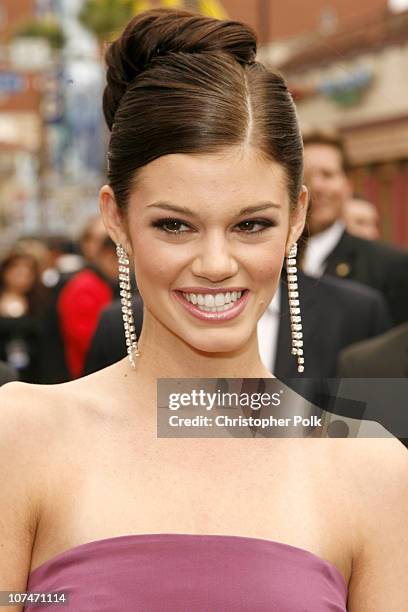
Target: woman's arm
379 575
20 445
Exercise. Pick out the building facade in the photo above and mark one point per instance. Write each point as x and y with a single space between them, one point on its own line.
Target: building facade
22 131
355 80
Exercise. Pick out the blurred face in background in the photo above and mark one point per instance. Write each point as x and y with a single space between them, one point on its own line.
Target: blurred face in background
328 186
92 239
19 275
107 260
35 248
361 219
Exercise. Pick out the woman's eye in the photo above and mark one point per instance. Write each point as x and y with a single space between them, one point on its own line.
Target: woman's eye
254 226
172 226
177 227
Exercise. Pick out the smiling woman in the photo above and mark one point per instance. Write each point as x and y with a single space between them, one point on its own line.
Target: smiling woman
227 234
205 200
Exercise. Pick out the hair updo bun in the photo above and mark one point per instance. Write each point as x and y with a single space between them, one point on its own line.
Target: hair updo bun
160 32
179 82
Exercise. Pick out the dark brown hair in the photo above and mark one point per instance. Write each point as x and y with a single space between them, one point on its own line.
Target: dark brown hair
179 82
330 138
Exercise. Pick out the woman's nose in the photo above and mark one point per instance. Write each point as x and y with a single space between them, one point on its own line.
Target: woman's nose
214 261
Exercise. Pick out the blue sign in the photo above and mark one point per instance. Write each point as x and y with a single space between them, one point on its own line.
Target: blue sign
12 82
348 89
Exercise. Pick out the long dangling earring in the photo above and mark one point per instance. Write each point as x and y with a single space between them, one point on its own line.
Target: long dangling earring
126 301
294 308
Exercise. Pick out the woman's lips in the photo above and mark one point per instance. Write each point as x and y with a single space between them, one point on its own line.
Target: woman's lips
225 315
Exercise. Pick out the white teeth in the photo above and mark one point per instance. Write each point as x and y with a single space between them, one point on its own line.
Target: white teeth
219 299
213 303
215 308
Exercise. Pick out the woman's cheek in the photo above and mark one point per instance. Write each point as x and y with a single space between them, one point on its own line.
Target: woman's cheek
148 256
268 262
267 276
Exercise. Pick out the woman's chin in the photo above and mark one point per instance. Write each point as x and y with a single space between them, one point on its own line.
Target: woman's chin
217 345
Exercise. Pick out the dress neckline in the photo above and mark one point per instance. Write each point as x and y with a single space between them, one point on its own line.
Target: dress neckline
187 536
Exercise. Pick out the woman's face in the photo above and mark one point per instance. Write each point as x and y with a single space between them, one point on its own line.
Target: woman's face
19 276
208 235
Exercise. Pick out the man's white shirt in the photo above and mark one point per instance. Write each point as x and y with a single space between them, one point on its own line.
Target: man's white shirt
319 248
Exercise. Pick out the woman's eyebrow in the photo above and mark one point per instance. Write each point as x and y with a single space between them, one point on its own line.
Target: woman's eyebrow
187 211
258 208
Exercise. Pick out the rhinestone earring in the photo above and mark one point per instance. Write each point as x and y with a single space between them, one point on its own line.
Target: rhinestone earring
294 308
126 301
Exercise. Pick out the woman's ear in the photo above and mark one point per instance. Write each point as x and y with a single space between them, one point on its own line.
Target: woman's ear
297 219
113 218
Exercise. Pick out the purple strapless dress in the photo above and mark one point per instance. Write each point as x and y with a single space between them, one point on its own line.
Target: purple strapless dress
189 573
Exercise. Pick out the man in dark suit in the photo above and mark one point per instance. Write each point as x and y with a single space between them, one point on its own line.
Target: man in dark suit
330 249
378 359
334 314
385 356
108 343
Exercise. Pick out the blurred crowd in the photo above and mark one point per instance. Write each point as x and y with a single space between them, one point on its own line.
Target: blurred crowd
52 291
60 311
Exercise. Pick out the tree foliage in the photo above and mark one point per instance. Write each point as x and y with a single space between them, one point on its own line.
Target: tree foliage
47 28
105 17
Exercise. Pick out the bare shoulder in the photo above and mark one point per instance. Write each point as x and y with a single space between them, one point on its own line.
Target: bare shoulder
44 432
371 466
25 429
375 461
377 473
34 412
38 405
380 478
24 413
33 418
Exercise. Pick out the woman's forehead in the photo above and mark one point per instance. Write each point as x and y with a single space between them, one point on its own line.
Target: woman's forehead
238 175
